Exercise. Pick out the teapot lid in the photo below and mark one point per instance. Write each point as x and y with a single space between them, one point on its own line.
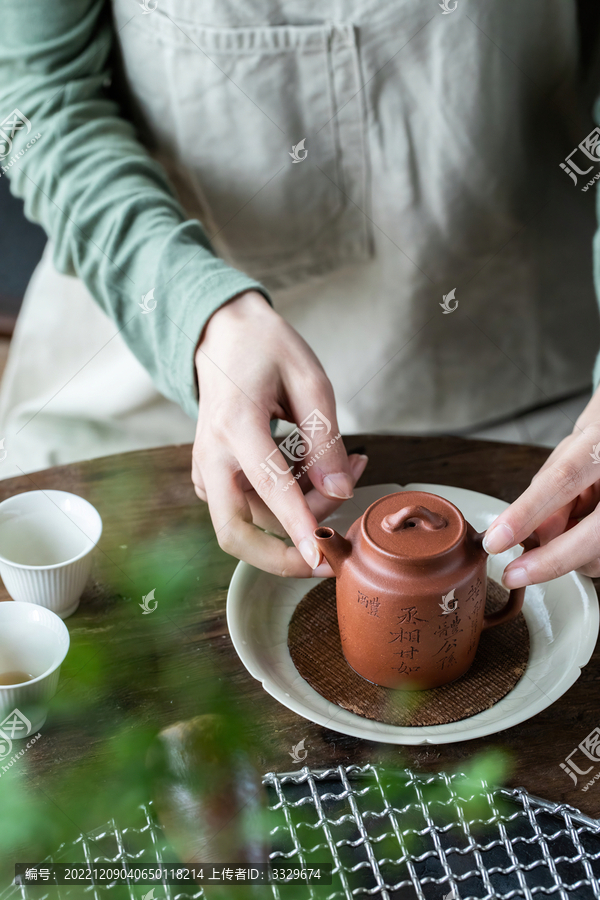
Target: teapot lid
413 525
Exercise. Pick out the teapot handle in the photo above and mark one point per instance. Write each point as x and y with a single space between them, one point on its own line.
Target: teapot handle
514 604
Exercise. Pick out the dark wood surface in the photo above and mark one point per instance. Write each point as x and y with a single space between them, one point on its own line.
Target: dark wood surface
145 497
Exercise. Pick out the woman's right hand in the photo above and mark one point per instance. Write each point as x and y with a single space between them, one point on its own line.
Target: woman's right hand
253 367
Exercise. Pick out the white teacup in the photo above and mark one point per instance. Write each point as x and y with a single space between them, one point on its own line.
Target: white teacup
46 543
33 642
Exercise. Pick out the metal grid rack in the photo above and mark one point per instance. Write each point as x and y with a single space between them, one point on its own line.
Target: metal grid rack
390 836
413 838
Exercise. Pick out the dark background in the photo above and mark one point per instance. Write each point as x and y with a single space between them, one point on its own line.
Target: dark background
21 245
21 242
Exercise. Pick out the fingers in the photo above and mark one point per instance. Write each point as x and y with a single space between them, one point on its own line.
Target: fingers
554 525
323 570
324 454
321 506
556 454
236 533
556 486
267 471
586 501
260 514
576 547
244 477
592 569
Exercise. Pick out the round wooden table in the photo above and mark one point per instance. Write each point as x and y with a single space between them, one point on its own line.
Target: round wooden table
161 667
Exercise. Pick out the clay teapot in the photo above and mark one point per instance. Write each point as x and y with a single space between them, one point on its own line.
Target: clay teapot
411 586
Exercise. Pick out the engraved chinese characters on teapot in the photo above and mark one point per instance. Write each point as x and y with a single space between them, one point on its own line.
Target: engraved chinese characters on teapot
411 586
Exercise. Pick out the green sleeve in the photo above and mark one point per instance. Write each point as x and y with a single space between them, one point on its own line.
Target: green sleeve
104 202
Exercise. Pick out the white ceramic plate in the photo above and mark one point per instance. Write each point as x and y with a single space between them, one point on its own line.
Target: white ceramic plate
562 617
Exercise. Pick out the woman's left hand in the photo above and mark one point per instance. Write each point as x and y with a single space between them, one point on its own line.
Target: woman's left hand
562 506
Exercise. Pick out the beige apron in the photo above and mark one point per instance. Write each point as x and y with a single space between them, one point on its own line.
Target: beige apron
72 389
428 163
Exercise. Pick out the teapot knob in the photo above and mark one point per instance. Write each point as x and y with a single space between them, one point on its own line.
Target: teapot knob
404 518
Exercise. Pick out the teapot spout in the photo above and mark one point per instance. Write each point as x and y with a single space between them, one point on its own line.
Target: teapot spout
335 548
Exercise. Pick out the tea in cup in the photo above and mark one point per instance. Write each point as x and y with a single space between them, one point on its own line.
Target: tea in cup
33 645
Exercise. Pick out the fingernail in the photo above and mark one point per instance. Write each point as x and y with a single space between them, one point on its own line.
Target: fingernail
498 538
358 464
514 578
339 486
310 552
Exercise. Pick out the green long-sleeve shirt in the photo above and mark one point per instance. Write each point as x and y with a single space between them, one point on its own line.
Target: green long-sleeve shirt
105 203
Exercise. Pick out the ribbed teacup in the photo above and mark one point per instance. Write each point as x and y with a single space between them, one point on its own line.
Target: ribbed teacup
46 544
33 641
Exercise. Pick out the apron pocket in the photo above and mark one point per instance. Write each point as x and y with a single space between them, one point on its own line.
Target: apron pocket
229 105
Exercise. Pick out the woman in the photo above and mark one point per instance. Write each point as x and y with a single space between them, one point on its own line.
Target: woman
355 167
